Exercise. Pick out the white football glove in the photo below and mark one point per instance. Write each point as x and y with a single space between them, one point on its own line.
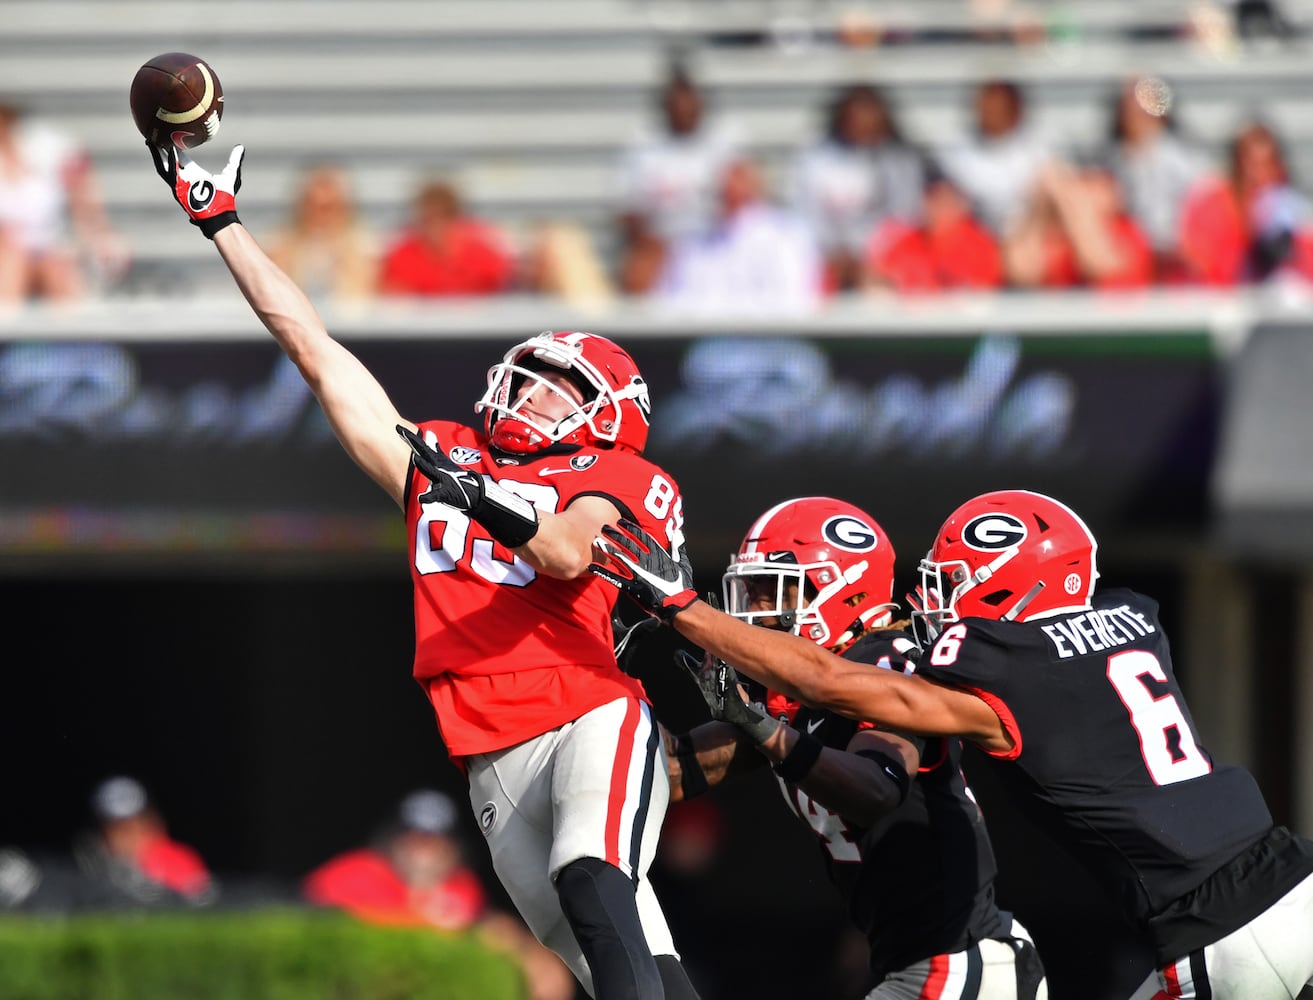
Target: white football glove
210 200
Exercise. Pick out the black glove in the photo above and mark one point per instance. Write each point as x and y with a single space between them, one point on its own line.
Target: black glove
719 685
509 519
644 572
629 638
210 200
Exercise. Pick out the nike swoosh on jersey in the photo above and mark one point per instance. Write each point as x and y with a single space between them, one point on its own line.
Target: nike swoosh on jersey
814 725
553 472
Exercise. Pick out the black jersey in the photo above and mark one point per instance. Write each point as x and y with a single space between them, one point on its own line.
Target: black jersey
1107 759
919 882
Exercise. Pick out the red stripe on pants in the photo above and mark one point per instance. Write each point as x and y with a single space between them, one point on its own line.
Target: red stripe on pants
624 753
1173 981
934 983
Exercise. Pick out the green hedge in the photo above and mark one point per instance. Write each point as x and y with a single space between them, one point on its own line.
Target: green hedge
260 955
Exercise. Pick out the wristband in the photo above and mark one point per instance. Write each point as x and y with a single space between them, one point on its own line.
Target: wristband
893 770
692 780
798 761
509 519
213 224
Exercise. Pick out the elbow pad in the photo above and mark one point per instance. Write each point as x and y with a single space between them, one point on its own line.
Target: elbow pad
892 769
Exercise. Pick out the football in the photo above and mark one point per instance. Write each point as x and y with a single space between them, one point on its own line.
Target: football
176 97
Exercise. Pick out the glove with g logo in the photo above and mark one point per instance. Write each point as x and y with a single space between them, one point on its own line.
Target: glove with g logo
210 200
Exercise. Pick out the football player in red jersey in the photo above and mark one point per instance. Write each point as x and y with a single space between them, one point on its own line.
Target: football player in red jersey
912 858
513 640
1073 695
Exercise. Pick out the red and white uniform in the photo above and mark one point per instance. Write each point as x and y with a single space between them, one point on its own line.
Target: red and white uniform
503 652
562 754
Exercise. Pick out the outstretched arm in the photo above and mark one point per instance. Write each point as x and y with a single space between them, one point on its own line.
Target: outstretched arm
786 663
360 412
706 756
358 409
801 669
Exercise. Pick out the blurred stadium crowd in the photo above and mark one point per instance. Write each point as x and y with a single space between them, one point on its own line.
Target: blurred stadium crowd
700 221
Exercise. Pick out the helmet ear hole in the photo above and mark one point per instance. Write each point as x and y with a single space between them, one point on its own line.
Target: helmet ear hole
996 598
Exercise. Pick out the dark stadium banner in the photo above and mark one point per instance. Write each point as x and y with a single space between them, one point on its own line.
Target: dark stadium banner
209 446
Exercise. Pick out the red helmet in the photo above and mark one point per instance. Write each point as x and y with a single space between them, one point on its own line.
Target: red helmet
835 554
615 407
1010 555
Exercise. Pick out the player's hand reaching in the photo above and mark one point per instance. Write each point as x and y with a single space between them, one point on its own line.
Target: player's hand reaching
210 200
509 519
448 482
718 684
644 572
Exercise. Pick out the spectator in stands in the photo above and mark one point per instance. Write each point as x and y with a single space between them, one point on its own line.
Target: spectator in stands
1077 233
757 257
1251 225
446 252
560 262
130 856
414 874
861 174
324 246
51 213
949 248
668 180
997 167
1154 165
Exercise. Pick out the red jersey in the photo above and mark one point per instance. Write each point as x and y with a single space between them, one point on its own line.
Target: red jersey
362 882
472 262
912 259
1062 268
174 865
506 653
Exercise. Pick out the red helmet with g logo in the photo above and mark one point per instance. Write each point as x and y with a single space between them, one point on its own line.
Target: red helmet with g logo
818 567
1010 555
615 409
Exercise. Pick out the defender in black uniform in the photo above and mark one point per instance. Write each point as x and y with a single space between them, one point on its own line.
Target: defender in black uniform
911 858
1075 697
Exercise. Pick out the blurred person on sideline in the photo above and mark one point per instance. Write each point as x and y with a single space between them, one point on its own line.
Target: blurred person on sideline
414 873
1077 233
55 238
512 635
998 166
897 827
861 174
324 246
756 258
668 179
1154 165
129 850
1252 224
445 251
948 249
